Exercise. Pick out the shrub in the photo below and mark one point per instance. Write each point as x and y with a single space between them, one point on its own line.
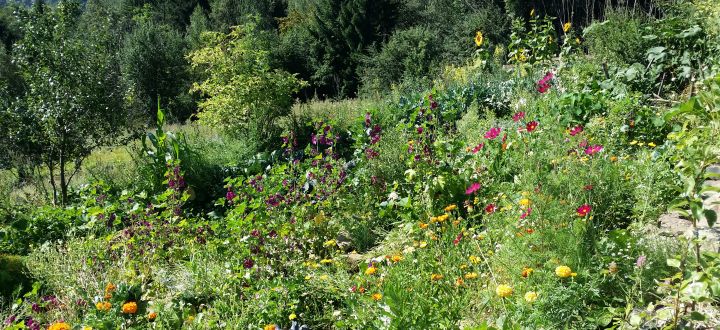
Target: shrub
617 40
244 96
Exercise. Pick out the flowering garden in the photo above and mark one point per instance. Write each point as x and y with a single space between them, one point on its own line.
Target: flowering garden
521 191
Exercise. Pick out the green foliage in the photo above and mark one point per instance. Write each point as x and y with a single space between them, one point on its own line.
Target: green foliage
618 39
72 84
153 66
244 96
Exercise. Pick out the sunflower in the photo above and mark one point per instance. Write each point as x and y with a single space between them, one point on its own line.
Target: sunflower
479 38
566 27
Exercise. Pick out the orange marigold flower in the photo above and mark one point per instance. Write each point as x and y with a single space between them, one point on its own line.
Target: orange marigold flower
423 225
270 327
59 326
450 208
103 306
129 307
459 281
396 258
527 271
152 316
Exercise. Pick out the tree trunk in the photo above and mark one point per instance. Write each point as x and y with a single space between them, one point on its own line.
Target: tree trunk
63 182
52 182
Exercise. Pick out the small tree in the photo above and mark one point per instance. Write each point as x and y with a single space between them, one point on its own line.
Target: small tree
243 95
73 101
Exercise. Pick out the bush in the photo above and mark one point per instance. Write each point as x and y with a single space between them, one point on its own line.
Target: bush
617 40
13 278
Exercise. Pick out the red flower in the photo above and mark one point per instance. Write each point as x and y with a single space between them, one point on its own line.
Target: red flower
588 187
492 133
518 116
473 188
490 208
531 126
583 210
457 239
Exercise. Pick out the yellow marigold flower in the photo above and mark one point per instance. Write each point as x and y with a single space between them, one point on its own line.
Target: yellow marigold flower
471 276
442 218
270 327
474 259
152 316
436 277
371 270
59 326
563 271
396 258
129 307
527 271
292 316
450 207
531 296
423 225
376 296
326 261
103 306
503 291
329 243
479 38
566 27
525 202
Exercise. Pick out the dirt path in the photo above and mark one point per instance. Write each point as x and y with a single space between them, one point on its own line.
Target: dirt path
672 224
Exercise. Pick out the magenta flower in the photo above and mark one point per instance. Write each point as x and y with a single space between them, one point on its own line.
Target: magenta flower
526 213
518 116
248 263
230 195
591 150
473 188
576 130
543 85
478 148
493 133
583 210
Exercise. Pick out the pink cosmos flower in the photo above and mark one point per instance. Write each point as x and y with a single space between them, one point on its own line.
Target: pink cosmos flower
576 130
518 116
591 150
473 188
493 133
477 148
526 213
583 210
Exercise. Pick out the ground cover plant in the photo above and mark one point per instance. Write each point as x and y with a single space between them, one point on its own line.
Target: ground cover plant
518 176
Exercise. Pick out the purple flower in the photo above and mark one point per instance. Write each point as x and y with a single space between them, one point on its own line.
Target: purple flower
36 308
255 233
32 324
248 263
641 261
419 129
230 195
10 320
